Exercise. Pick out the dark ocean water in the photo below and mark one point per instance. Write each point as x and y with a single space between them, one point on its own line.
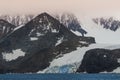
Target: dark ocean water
60 77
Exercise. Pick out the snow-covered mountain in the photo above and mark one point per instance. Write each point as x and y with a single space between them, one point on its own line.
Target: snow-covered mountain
32 47
47 44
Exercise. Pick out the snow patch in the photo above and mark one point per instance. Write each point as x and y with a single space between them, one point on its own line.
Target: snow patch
14 55
59 41
116 70
31 31
76 33
39 34
54 31
40 21
104 56
33 38
83 42
118 60
18 27
4 29
48 26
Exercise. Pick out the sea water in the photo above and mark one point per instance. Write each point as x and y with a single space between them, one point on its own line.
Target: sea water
60 77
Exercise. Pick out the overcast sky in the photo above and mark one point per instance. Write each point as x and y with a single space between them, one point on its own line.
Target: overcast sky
86 7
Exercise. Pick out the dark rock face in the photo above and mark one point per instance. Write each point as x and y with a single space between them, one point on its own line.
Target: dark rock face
38 39
99 60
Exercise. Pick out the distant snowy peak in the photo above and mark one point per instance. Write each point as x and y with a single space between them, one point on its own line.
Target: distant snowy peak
108 23
71 22
5 28
17 20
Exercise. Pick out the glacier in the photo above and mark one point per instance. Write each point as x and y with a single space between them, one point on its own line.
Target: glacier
73 60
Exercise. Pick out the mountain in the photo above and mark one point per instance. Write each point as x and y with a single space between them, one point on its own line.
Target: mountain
5 28
47 44
71 22
32 47
108 23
